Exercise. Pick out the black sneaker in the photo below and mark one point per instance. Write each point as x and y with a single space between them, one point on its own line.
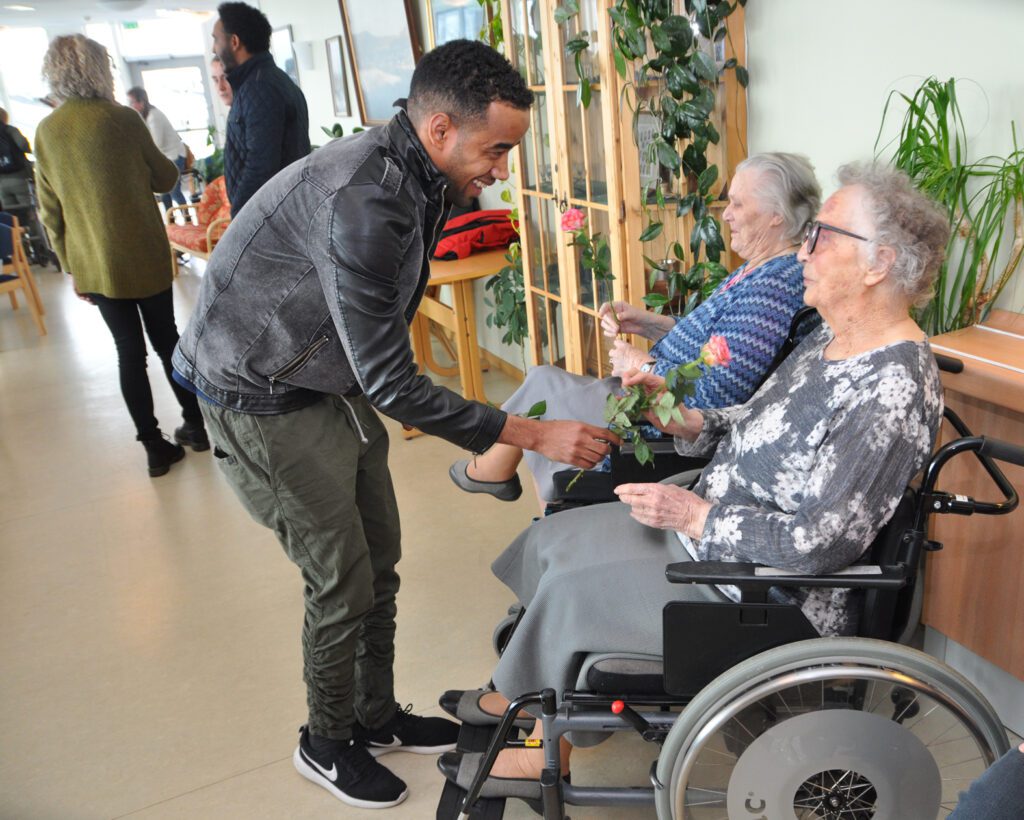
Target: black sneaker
351 775
192 435
161 454
406 732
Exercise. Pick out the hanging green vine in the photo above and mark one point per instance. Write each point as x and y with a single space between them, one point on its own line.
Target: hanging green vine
667 53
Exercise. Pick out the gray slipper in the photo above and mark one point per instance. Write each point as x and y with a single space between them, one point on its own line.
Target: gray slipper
464 704
508 490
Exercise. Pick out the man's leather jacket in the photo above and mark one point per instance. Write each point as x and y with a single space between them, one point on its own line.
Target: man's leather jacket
312 289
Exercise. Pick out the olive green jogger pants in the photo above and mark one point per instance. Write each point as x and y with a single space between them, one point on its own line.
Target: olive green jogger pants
318 477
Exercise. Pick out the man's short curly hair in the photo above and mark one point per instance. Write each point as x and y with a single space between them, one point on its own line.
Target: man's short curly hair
462 78
248 24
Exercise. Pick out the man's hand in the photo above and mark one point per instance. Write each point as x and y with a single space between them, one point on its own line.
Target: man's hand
567 442
624 357
666 507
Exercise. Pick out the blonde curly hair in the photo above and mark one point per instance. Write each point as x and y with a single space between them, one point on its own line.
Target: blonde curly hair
76 66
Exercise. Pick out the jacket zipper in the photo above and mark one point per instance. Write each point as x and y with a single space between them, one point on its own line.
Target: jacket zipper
297 363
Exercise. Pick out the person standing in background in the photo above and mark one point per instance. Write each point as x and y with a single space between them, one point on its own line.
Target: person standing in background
15 168
165 137
268 127
91 150
219 79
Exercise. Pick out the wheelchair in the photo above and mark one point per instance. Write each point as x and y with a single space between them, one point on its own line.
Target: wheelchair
762 718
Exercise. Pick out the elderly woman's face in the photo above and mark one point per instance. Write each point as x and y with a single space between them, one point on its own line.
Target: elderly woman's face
835 273
753 229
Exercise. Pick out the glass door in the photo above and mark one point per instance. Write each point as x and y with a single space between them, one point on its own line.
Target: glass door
562 163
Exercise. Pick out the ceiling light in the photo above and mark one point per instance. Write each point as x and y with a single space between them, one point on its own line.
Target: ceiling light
20 8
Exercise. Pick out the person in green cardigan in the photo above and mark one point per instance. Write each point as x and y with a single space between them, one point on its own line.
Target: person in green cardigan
97 169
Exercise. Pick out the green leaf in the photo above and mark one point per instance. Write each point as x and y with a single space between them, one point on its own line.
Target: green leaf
683 208
506 196
538 410
705 66
707 179
583 96
742 77
576 45
620 61
642 451
563 14
664 414
667 155
655 301
652 231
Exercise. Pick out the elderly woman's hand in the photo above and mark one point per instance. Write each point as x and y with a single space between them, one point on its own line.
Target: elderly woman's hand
666 507
625 357
622 317
693 420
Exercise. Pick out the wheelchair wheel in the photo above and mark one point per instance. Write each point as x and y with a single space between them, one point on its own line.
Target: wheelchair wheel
503 631
828 729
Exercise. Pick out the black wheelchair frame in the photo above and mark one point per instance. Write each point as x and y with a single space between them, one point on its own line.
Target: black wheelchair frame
647 697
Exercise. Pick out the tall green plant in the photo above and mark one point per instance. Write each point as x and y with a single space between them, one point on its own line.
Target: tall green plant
983 198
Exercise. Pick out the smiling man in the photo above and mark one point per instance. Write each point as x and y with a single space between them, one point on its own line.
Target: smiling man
300 331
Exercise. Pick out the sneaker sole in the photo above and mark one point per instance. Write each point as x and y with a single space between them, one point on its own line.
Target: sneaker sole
377 751
314 776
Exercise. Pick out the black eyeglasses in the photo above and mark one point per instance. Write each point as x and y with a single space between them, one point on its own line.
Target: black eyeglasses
815 228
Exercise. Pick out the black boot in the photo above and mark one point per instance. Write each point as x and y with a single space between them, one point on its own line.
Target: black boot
192 434
161 454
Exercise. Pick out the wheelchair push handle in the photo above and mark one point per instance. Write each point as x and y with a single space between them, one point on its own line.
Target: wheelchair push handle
948 364
1002 451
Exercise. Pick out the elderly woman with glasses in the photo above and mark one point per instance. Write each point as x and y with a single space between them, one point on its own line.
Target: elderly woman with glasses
803 477
772 197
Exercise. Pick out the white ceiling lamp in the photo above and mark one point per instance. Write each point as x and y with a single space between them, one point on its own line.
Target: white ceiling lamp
122 5
20 8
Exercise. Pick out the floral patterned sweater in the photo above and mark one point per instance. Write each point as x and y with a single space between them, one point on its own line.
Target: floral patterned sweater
809 470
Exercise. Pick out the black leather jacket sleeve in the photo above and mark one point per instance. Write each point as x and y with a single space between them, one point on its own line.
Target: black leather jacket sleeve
371 233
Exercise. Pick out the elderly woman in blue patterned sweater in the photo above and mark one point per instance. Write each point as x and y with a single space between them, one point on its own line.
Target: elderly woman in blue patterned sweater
803 476
772 197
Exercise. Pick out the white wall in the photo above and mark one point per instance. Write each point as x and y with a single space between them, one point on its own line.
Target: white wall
821 70
314 21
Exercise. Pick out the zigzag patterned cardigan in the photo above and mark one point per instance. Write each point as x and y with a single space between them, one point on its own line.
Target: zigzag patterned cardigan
753 314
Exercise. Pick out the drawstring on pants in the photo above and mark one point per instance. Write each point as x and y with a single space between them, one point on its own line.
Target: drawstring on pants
355 421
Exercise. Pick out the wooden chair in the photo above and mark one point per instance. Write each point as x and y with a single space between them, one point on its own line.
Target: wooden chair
16 273
212 215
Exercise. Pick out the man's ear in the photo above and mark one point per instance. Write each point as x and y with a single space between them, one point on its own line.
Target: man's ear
885 257
235 43
440 130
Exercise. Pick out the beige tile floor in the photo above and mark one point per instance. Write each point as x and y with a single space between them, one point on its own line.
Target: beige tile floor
149 630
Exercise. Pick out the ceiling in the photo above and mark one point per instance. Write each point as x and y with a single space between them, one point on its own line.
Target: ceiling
67 16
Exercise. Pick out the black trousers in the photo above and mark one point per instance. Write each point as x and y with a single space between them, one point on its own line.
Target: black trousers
125 318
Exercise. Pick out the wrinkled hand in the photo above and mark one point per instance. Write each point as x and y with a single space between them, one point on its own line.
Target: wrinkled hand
576 443
666 507
630 319
693 420
83 296
625 357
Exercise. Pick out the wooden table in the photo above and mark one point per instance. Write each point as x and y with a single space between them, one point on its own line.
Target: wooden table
459 318
975 585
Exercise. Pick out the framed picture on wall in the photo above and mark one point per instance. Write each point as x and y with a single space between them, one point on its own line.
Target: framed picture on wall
385 48
339 77
454 20
284 52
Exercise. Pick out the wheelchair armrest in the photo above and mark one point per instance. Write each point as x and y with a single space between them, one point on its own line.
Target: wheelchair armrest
757 576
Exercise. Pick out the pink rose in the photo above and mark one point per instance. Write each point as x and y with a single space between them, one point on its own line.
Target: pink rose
716 352
573 220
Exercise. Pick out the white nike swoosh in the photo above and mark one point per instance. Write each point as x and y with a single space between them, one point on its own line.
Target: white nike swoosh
331 775
391 745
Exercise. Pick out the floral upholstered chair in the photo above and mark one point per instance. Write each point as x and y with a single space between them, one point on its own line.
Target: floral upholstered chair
212 216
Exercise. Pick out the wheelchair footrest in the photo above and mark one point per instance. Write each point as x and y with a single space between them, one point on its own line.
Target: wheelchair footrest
471 739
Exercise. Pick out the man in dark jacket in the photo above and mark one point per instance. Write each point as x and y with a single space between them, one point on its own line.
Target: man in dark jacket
268 127
300 330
